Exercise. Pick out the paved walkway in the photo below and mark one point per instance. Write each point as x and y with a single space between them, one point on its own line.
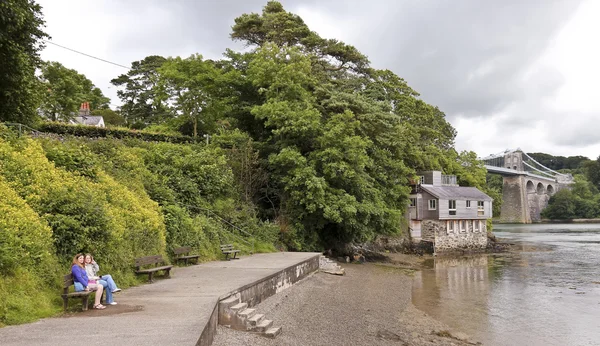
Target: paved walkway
167 312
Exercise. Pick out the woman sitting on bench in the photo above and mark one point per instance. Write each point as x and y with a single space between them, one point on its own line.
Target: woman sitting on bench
81 281
92 269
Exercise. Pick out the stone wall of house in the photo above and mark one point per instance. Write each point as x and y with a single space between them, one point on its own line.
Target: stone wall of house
457 241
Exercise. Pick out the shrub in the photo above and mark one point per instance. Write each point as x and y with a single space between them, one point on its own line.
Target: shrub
26 260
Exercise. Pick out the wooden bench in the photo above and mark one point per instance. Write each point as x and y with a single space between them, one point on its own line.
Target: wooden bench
154 262
181 254
228 249
68 282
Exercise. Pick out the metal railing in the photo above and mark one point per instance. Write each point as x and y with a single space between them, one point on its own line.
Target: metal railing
22 129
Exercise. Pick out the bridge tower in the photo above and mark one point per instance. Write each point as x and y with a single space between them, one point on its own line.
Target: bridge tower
527 185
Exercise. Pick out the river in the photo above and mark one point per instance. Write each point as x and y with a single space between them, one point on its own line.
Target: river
548 293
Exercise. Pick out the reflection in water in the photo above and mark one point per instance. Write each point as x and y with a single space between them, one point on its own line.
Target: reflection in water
546 295
451 285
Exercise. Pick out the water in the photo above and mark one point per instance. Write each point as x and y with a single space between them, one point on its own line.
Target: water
546 294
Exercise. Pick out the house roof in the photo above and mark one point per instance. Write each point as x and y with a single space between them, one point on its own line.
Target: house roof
89 120
456 192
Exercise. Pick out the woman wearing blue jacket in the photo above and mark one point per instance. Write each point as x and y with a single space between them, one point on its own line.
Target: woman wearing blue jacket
81 281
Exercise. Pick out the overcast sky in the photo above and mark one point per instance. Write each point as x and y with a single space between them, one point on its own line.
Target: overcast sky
507 74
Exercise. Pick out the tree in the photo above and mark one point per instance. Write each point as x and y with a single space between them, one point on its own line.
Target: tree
338 136
138 92
65 90
110 117
560 206
190 85
21 26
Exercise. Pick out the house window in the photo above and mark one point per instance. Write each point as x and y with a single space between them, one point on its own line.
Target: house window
463 226
452 207
450 227
476 227
432 204
413 202
468 204
421 179
480 210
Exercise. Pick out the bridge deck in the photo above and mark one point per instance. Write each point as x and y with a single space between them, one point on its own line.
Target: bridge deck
508 171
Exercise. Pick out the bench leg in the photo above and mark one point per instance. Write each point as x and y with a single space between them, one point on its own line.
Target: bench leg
227 257
169 272
85 302
150 277
65 303
185 261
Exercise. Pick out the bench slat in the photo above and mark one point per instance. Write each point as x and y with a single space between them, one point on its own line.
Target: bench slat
188 257
231 251
181 250
152 270
142 261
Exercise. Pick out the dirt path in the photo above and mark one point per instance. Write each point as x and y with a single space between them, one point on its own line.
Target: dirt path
370 305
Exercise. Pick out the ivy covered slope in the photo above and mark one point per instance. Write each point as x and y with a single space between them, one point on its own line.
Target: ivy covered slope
119 200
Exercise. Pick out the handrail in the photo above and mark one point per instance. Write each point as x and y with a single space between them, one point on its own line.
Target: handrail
21 126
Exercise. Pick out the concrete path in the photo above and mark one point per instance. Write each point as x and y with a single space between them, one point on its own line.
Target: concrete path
167 312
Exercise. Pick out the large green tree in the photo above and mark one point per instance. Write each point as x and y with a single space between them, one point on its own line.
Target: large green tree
64 91
190 85
338 135
137 91
21 33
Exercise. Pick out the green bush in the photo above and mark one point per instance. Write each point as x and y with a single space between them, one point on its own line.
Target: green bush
119 199
29 272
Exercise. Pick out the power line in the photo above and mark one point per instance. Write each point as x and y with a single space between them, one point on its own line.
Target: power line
90 56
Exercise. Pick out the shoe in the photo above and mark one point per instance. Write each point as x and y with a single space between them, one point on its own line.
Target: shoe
113 303
99 307
116 290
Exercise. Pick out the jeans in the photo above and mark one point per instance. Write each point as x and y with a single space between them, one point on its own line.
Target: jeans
111 283
109 298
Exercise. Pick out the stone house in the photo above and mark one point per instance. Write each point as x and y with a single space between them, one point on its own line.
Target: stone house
85 118
452 217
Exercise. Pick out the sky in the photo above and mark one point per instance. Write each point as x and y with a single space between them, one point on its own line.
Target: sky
508 74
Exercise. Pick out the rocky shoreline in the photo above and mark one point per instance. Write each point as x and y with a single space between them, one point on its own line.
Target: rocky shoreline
370 305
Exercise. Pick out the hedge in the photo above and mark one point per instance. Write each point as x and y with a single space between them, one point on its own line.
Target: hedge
103 132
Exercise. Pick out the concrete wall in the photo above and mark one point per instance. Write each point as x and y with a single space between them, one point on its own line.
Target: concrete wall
455 241
257 291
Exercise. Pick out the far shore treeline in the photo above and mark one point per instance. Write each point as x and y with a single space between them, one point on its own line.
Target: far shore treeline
295 143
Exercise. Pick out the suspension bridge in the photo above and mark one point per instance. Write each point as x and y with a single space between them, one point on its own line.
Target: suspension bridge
527 185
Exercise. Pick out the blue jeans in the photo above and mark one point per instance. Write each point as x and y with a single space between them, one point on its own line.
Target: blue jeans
109 298
111 283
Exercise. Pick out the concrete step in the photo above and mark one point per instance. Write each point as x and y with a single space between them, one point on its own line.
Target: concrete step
230 301
256 319
239 307
272 332
246 313
263 326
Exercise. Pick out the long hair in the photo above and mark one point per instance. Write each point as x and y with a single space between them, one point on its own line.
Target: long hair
86 256
75 261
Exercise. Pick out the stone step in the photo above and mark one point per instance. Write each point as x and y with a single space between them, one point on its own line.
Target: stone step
246 313
239 307
263 326
272 332
256 319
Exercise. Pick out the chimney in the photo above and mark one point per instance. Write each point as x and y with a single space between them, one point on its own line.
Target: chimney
85 109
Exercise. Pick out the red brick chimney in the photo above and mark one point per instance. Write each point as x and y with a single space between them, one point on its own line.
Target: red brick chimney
85 109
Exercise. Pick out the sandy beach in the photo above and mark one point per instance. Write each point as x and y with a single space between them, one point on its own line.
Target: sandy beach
370 305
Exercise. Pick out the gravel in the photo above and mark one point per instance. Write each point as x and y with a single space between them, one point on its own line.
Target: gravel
370 305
